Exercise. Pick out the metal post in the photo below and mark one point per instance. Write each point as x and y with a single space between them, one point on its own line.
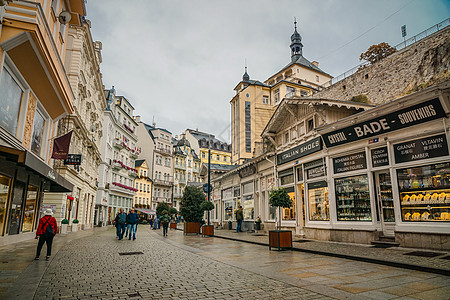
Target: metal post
209 173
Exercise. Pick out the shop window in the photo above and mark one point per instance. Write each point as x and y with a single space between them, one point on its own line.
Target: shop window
38 137
353 199
289 213
247 188
287 179
5 184
425 193
10 101
248 207
319 208
30 209
228 206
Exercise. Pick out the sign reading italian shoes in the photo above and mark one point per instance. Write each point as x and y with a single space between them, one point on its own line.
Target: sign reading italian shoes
417 114
61 146
300 151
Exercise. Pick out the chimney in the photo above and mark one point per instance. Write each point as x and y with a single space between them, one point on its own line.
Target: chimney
137 119
316 63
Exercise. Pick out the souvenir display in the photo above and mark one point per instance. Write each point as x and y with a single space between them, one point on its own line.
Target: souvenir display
387 201
429 199
353 199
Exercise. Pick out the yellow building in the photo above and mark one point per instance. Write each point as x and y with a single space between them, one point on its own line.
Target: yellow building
143 184
200 142
35 94
255 101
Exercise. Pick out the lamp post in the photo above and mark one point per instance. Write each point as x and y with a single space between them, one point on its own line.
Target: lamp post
209 173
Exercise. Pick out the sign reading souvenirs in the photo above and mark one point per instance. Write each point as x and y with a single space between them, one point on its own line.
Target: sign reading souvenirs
300 151
417 114
316 172
247 171
350 162
73 159
433 146
380 157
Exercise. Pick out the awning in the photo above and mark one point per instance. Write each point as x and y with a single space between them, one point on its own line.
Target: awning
150 212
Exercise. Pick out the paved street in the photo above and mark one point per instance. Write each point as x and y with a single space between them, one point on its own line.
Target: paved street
194 267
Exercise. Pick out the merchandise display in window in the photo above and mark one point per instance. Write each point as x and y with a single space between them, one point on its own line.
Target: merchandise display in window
387 202
289 212
353 199
319 208
425 193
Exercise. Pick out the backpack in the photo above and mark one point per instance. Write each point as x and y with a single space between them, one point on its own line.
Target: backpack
49 230
165 219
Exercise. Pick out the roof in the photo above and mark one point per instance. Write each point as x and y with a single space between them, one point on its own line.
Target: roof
199 136
139 162
149 129
305 63
218 168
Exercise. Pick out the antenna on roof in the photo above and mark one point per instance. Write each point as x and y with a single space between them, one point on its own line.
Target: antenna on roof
295 23
154 123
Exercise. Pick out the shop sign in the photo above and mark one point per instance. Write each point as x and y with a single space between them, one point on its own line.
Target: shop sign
380 157
44 207
227 194
270 182
433 146
73 160
317 185
417 114
316 172
304 149
247 171
350 162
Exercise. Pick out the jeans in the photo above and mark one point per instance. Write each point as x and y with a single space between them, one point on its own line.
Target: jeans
120 230
42 240
132 229
239 225
165 228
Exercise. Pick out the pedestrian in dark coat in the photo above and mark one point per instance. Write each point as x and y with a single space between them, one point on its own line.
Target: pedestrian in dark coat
46 231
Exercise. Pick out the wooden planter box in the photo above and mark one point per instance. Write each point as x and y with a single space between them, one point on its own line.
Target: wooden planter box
281 239
173 225
191 227
208 230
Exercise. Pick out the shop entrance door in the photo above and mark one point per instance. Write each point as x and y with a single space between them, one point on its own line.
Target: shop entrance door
15 212
300 209
385 202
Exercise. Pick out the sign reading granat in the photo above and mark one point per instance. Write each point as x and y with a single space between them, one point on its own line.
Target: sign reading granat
300 151
410 116
433 146
350 162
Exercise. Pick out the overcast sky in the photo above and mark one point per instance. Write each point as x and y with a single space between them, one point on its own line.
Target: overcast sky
179 60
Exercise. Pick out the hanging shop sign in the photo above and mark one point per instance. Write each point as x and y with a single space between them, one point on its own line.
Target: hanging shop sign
380 157
417 114
304 149
73 159
317 185
352 162
433 146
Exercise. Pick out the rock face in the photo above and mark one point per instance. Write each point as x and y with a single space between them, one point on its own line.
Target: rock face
419 65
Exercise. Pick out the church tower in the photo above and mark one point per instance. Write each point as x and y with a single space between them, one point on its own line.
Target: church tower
296 44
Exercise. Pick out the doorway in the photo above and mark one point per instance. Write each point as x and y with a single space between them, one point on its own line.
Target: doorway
385 202
15 212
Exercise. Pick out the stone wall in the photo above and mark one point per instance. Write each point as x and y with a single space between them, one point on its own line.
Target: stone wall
417 66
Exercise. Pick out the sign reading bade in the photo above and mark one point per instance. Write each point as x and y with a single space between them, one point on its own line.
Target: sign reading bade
380 157
300 151
410 116
433 146
350 162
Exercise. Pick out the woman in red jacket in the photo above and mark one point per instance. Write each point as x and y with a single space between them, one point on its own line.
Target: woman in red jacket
46 231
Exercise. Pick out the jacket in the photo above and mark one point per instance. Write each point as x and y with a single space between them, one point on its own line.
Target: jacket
239 214
41 228
122 217
132 218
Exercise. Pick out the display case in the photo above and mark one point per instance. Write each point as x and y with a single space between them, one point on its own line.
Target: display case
425 193
353 198
319 208
386 199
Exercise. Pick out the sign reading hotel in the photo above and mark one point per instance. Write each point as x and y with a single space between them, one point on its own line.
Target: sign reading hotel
433 146
350 162
300 151
417 114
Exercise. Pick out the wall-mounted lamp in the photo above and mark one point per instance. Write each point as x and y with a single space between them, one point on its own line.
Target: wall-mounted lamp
64 17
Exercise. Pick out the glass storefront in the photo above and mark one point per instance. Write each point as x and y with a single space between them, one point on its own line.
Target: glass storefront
319 208
248 202
425 193
30 209
5 183
289 213
353 198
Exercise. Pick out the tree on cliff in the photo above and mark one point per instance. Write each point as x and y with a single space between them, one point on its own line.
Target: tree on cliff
377 52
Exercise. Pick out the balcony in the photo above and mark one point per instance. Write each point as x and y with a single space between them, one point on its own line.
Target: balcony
133 173
177 195
163 151
116 166
162 182
121 188
118 144
180 166
162 199
134 154
182 181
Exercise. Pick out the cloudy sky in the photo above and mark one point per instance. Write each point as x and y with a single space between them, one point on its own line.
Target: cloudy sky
178 61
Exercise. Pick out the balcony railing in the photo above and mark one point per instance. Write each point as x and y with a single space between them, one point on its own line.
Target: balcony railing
162 199
163 151
118 144
180 166
162 182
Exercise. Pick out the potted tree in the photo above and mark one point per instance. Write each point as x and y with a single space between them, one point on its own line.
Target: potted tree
75 225
281 239
64 224
191 209
173 214
207 229
258 223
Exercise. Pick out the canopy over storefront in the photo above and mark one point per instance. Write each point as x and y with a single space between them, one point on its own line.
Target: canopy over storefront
150 212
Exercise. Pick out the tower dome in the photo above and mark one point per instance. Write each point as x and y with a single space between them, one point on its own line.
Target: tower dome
245 77
296 44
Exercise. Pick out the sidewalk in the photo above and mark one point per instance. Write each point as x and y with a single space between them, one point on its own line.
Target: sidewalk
394 256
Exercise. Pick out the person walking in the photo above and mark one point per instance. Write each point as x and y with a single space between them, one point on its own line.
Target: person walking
239 217
132 220
155 223
45 232
120 220
165 219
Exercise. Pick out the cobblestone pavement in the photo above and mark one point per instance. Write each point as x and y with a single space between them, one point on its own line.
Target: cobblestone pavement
195 267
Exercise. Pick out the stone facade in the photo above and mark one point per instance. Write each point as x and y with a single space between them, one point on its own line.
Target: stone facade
28 128
410 69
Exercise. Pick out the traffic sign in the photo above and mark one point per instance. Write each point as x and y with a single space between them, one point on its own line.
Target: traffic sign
205 188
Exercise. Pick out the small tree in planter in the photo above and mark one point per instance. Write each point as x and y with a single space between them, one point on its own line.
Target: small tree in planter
280 238
75 225
64 224
208 206
161 207
191 209
173 213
